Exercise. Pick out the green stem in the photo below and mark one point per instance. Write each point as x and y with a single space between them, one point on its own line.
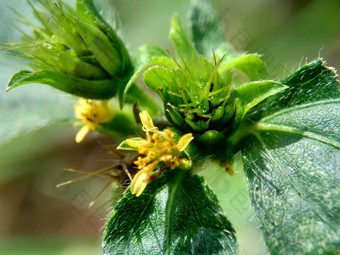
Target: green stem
136 94
234 140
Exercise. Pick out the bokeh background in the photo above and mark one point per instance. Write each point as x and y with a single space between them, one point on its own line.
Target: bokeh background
38 218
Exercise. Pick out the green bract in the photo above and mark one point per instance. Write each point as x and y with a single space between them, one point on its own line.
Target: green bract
195 96
73 51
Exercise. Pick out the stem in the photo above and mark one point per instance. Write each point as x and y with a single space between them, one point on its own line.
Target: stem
238 135
135 93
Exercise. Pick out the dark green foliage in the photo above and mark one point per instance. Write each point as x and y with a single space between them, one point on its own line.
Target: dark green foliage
292 164
207 30
176 214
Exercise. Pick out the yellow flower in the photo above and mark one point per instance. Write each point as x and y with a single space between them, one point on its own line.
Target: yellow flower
91 113
159 148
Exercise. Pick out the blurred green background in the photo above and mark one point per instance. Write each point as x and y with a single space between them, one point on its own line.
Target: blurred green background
38 218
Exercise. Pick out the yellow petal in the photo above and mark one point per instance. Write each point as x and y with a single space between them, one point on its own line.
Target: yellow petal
104 103
184 141
82 133
136 143
150 167
84 101
78 111
102 113
139 182
147 122
94 111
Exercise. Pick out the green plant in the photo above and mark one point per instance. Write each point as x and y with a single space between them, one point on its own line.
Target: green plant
217 104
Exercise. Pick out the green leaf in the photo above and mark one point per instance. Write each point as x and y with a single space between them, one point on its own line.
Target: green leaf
87 10
147 52
101 89
311 83
249 64
184 47
252 93
207 29
143 98
157 78
176 214
292 164
146 56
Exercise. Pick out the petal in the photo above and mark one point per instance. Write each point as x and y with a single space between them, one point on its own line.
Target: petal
78 111
83 101
133 142
150 167
102 112
147 122
82 133
184 141
139 182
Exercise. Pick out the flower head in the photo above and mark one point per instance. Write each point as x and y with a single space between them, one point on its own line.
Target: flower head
158 149
91 113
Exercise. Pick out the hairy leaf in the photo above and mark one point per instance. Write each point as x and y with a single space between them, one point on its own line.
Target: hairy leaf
207 29
252 93
176 214
184 47
249 64
146 56
87 10
101 89
157 79
292 164
311 83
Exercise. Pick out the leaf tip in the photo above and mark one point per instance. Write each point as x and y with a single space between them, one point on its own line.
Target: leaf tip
10 86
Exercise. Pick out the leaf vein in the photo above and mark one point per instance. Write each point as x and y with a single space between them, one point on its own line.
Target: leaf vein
292 130
298 107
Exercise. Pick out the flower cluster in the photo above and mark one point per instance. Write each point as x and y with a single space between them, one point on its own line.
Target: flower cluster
158 149
91 113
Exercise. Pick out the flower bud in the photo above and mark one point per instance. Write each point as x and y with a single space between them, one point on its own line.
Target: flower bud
195 97
73 51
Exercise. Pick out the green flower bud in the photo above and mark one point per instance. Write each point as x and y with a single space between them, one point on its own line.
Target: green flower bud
208 97
73 51
195 97
195 94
